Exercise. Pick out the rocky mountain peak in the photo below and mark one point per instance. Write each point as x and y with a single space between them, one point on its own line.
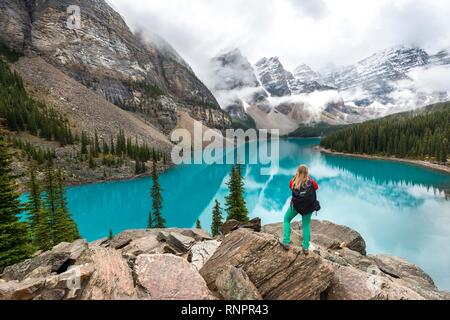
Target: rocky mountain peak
273 76
306 74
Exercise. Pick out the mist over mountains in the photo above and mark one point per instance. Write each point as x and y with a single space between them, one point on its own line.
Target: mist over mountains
389 81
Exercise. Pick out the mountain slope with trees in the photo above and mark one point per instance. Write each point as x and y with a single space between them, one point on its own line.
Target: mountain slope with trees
423 134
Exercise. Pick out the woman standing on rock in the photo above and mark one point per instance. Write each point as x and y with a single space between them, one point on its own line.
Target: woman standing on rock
304 202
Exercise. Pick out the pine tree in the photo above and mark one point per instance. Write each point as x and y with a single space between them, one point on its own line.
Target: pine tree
216 220
15 236
84 143
34 204
110 235
156 220
105 147
97 149
61 226
198 224
235 203
37 213
67 223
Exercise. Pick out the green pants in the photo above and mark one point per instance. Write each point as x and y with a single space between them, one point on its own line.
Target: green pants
306 226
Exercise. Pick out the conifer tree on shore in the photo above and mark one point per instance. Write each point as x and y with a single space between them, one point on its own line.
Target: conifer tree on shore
57 220
156 219
216 220
36 212
236 207
198 224
15 236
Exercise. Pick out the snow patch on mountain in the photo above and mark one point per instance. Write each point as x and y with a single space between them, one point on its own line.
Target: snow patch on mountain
390 81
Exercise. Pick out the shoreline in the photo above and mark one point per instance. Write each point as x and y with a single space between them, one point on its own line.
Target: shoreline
420 163
80 183
118 179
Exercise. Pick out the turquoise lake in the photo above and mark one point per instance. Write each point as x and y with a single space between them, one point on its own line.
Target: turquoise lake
399 209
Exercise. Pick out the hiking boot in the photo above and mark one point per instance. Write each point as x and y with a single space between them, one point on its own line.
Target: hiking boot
305 252
286 247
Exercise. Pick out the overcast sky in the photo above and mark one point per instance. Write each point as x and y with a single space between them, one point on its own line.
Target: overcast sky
320 33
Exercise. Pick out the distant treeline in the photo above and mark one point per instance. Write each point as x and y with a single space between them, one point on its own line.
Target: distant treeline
313 131
420 134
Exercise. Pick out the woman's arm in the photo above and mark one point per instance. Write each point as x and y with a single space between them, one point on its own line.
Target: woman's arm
316 186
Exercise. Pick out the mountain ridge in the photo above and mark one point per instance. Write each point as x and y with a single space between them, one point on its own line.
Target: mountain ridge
371 88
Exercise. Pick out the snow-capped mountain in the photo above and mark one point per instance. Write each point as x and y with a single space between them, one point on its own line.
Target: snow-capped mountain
281 83
386 82
378 73
235 84
274 77
306 74
440 58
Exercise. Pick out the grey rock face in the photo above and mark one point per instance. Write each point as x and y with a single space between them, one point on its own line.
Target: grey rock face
104 55
14 24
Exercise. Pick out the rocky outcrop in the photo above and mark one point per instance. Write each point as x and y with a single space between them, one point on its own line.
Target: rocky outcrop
105 269
325 234
276 273
242 265
353 284
167 277
55 261
401 269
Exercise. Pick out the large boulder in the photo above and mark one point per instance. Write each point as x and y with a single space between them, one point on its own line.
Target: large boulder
56 260
323 233
148 244
277 273
112 278
176 241
353 284
168 277
232 225
202 251
399 268
234 284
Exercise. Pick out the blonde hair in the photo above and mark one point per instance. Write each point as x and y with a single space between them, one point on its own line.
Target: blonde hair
301 177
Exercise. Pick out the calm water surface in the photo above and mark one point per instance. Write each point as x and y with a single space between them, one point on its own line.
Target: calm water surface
399 209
